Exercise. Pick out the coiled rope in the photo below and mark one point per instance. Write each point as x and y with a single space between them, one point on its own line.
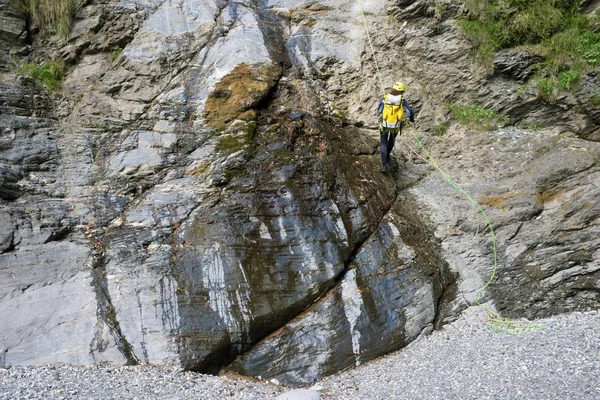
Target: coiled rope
495 321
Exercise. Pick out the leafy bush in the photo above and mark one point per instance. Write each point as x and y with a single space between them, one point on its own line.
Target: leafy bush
49 74
588 47
477 117
568 78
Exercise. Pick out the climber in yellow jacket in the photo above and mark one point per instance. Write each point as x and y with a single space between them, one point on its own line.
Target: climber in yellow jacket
391 110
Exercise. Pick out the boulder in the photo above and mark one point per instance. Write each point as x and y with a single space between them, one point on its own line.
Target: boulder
396 289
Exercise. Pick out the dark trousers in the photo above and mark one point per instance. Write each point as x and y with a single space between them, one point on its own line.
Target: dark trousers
387 137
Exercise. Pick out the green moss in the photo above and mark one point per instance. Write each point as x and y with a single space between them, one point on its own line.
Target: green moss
477 117
440 129
340 112
542 150
596 99
49 74
229 144
115 54
239 92
310 22
532 127
241 139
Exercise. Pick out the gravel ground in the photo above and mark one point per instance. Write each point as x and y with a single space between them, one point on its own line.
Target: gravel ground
467 361
463 361
136 382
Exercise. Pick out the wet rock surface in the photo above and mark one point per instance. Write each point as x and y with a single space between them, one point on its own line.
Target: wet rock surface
206 186
393 292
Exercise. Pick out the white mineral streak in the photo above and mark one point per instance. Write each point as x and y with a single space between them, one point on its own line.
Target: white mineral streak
342 234
352 302
309 260
313 344
264 232
394 230
279 223
214 281
243 299
420 312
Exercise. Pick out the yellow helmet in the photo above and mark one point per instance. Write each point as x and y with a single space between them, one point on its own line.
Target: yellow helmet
399 86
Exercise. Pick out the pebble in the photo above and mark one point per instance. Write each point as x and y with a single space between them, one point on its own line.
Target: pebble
462 361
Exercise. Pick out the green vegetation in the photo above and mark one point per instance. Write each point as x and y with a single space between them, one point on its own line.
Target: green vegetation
115 54
440 129
477 117
566 79
242 139
532 127
546 89
50 15
229 144
552 28
239 93
49 74
340 111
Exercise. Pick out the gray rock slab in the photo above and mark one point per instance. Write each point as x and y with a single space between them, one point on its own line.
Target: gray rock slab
38 287
299 394
384 302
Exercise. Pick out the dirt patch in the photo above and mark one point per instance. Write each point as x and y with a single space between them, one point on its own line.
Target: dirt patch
499 201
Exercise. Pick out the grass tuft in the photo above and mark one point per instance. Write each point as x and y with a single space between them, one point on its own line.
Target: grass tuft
49 74
440 129
53 16
477 117
555 29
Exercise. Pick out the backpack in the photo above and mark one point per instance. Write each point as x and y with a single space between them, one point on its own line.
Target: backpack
393 109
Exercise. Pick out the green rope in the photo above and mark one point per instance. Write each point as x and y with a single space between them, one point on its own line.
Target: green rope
495 321
362 13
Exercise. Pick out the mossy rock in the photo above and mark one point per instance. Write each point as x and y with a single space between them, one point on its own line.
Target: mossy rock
239 92
238 137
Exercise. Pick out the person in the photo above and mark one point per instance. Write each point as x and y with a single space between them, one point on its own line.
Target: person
391 110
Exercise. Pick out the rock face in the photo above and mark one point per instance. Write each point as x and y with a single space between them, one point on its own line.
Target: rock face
515 64
204 192
397 287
